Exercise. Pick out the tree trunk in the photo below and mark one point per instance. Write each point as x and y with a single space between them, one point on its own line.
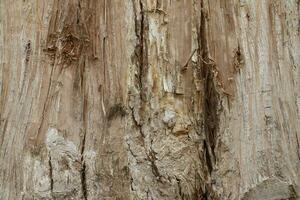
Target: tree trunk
150 99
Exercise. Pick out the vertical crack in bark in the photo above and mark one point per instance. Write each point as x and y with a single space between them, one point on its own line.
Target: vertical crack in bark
82 172
211 101
104 59
211 96
84 115
152 158
143 63
140 58
207 156
81 61
143 57
298 146
50 174
83 168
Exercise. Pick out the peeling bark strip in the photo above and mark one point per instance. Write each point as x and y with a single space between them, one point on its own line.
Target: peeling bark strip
203 82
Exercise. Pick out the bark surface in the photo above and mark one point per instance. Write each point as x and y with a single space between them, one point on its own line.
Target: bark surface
149 99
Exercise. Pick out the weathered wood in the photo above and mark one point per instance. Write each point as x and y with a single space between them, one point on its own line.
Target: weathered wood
149 99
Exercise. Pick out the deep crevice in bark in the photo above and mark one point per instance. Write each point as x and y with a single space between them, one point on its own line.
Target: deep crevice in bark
208 158
83 169
140 60
84 114
140 57
50 174
211 97
83 180
152 158
143 56
143 63
211 102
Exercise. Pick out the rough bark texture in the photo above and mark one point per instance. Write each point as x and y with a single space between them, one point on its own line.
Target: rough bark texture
149 99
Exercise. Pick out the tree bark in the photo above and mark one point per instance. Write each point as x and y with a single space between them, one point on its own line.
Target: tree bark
150 99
